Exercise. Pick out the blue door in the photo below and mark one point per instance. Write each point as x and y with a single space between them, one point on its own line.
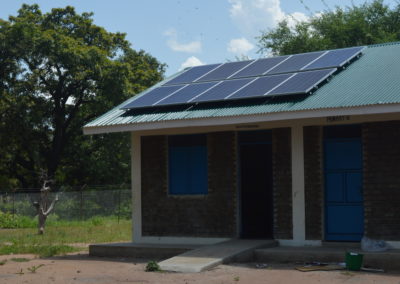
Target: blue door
344 213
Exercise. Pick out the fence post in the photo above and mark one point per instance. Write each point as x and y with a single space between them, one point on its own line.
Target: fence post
119 202
81 204
13 202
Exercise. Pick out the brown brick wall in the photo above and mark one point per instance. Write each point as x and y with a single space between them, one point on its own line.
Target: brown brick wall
381 147
282 174
313 177
212 215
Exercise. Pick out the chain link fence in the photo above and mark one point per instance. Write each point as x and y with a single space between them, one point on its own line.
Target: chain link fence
74 203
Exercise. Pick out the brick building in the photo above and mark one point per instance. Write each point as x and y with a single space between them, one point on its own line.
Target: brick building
302 169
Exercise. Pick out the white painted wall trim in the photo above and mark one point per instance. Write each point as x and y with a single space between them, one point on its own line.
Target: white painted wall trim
180 240
241 119
136 181
304 243
298 199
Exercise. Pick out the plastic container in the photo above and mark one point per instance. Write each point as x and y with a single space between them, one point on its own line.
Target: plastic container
354 261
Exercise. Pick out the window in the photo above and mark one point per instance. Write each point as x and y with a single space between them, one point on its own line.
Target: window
187 159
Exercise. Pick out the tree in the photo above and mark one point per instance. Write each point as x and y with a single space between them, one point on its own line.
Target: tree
44 206
370 23
61 72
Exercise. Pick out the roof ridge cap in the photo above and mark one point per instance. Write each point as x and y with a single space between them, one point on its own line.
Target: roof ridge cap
384 44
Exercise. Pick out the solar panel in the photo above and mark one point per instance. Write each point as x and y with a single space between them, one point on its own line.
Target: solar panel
302 82
295 62
277 76
335 58
186 94
192 74
153 96
259 67
224 71
260 86
222 90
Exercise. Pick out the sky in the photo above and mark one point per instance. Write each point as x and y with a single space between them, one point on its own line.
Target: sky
184 33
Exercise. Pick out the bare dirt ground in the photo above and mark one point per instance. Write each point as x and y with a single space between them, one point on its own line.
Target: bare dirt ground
80 268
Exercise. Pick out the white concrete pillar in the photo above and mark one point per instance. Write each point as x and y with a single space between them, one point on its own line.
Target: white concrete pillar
298 200
136 187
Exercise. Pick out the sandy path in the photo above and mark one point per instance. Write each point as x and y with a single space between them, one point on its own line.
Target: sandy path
79 268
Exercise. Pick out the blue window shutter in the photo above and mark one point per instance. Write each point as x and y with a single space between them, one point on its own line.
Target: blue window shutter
198 170
178 171
187 167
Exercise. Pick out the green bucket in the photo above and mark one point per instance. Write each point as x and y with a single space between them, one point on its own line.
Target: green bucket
354 261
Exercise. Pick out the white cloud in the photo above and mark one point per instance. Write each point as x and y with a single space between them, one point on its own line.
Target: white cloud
318 14
190 62
295 18
172 42
253 16
240 46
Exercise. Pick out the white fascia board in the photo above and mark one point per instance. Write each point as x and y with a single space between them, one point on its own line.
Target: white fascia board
240 119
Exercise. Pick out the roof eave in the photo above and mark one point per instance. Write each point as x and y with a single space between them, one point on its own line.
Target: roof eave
240 119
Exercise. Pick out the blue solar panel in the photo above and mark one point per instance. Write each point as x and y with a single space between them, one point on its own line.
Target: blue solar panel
277 76
224 71
295 62
192 74
222 90
259 67
153 96
260 86
186 94
335 58
302 83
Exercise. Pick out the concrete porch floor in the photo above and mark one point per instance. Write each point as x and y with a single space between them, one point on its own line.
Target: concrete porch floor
387 260
329 252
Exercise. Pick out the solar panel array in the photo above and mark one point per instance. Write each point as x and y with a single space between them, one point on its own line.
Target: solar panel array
276 76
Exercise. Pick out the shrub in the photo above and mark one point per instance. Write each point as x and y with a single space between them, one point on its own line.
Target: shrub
97 221
152 266
9 221
6 220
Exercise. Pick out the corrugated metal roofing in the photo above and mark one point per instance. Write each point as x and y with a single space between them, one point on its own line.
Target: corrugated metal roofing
374 79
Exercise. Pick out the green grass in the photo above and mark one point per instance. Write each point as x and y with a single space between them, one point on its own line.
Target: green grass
62 237
20 259
34 268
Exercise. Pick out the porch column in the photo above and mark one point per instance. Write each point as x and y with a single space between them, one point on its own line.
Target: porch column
298 201
136 187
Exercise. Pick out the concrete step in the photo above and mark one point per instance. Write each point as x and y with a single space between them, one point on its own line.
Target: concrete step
387 260
139 250
210 256
350 245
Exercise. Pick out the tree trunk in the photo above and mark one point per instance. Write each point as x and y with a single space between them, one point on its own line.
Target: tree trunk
42 223
43 206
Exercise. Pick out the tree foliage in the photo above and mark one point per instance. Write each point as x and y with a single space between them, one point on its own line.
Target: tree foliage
58 71
370 23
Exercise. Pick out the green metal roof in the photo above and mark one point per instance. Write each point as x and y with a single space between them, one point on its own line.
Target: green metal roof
373 79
